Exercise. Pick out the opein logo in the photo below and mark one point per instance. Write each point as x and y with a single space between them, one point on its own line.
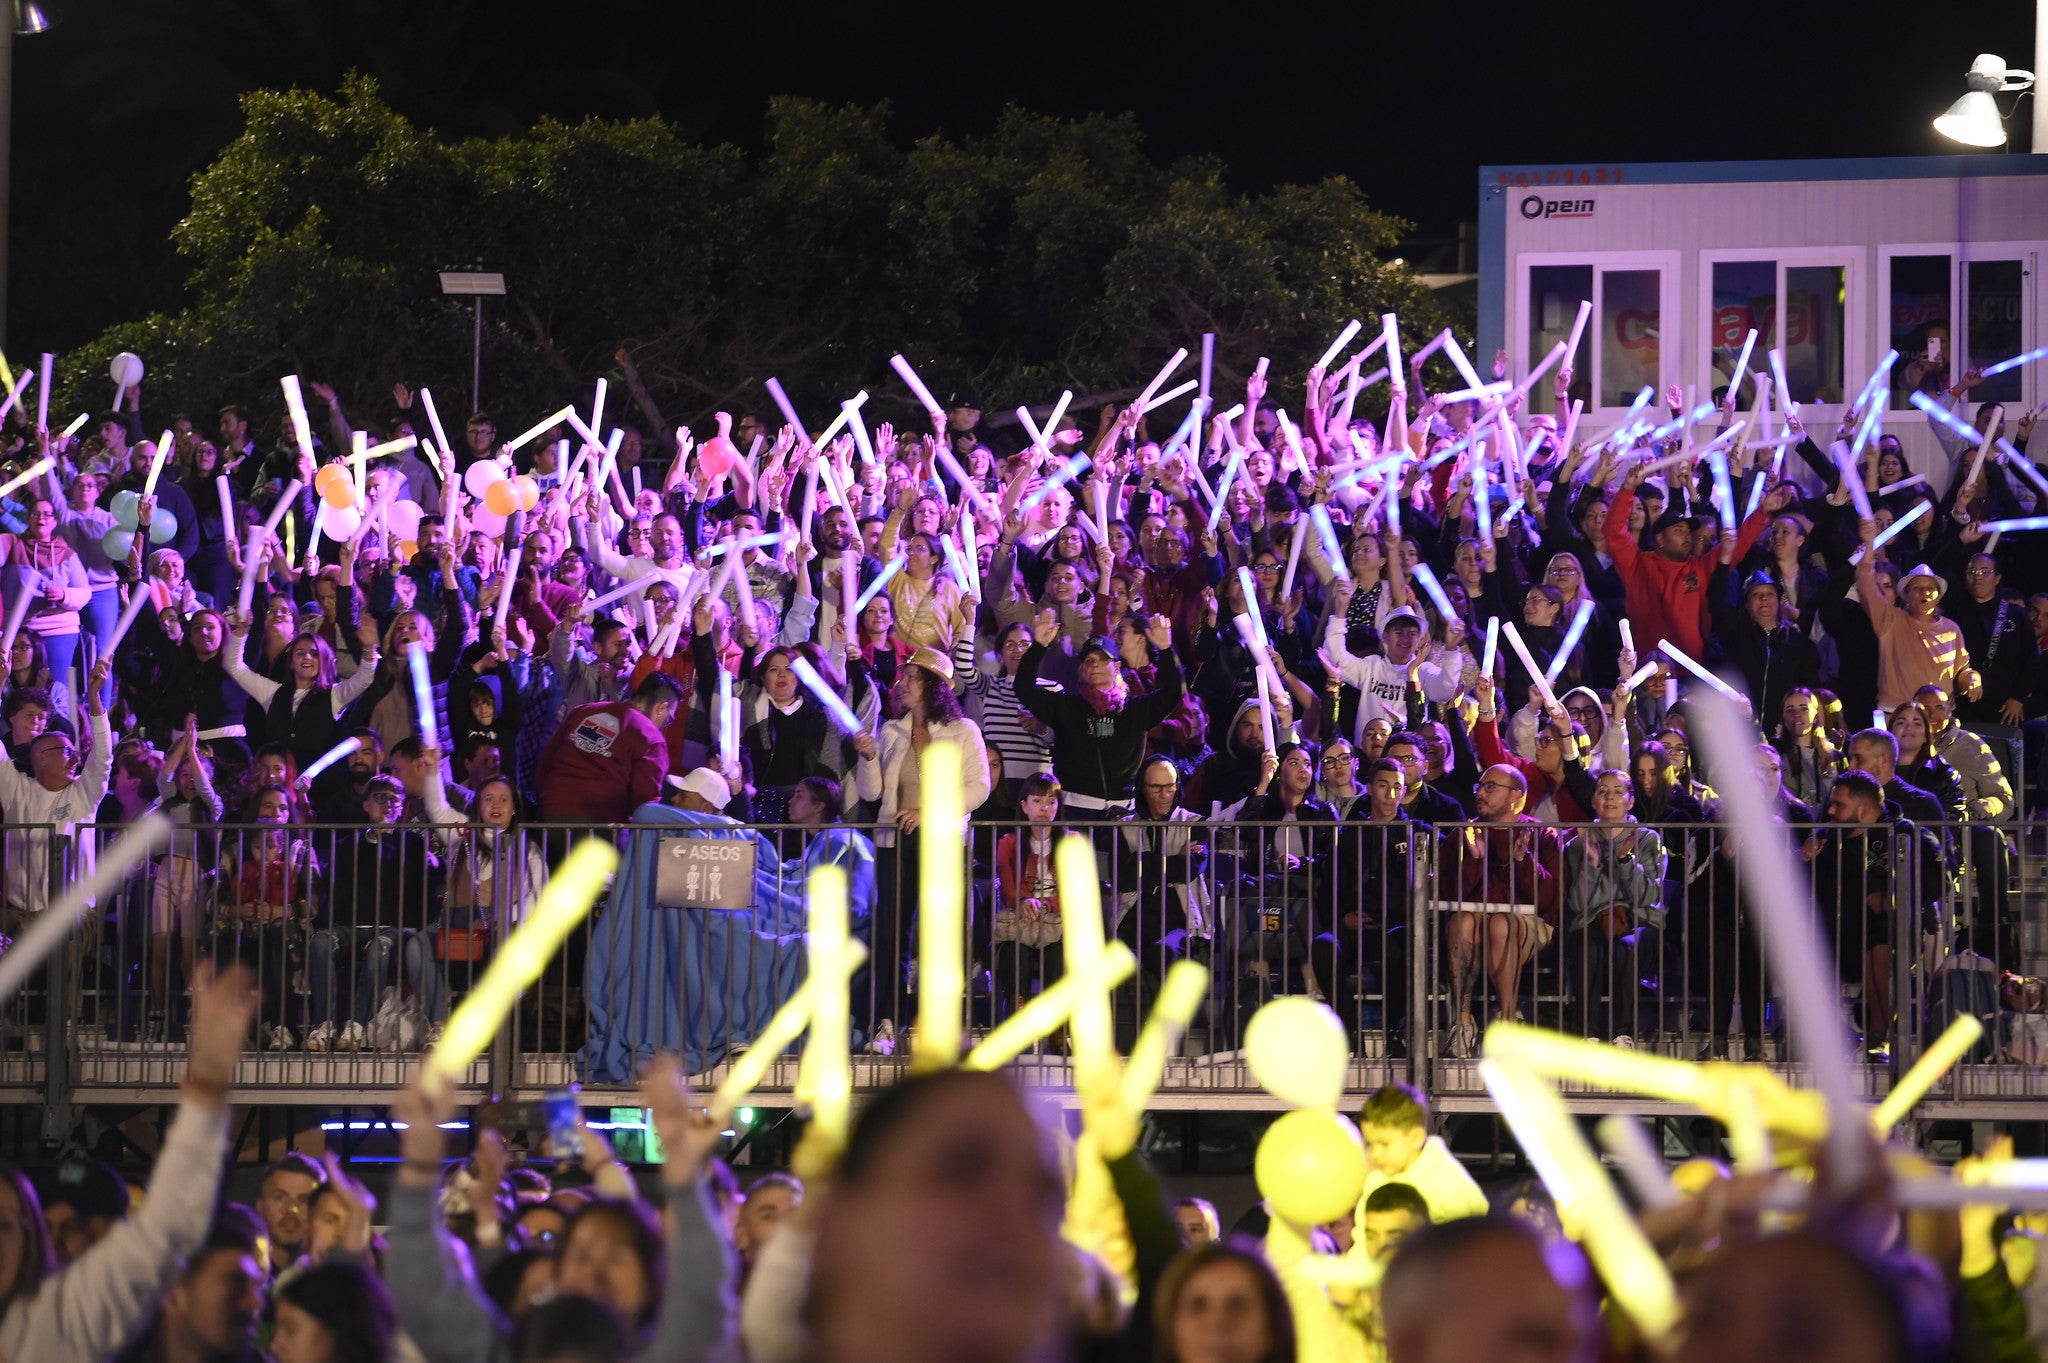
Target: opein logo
1536 206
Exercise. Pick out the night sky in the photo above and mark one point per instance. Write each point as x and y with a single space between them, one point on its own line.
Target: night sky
117 106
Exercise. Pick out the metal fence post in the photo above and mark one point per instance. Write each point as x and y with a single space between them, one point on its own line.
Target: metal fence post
59 1007
1421 923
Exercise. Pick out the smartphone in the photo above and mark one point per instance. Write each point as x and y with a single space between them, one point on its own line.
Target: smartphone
564 1117
1934 350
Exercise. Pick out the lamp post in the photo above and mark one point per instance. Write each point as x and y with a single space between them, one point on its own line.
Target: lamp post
478 284
1974 119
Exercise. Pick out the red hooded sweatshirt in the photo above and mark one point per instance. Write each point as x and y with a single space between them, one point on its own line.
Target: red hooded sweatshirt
604 762
1667 599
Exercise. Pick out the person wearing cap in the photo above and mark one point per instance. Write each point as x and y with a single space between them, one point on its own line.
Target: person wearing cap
1752 633
1099 727
1667 583
1382 679
1916 644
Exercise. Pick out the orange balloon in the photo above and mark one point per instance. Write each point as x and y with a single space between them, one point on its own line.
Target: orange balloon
502 497
529 492
408 550
335 486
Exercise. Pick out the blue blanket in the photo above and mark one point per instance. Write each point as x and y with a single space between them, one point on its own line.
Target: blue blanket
701 982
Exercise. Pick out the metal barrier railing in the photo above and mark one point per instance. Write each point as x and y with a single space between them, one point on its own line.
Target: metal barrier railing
363 939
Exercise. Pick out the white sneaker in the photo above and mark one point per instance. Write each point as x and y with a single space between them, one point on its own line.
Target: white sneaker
321 1038
352 1038
1626 1043
883 1042
279 1038
1464 1039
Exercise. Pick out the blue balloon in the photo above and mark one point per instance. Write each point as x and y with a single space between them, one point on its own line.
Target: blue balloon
119 544
127 508
163 526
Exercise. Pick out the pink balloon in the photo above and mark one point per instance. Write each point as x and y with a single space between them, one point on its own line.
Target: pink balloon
341 522
481 475
487 520
405 519
719 453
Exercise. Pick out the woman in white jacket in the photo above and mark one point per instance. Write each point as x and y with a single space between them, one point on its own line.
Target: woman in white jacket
95 1308
928 712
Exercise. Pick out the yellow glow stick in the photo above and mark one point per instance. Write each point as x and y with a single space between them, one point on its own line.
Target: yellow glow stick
1051 1008
564 901
6 371
823 1079
1095 1057
1634 1275
1948 1049
1180 994
1748 1138
782 1029
942 909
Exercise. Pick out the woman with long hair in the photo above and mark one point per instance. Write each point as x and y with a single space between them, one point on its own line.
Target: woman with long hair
39 563
304 714
334 1313
269 884
494 871
1921 766
1222 1303
988 688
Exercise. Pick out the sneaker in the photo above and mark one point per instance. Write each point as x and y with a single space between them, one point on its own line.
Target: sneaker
321 1038
1464 1039
434 1034
883 1042
1626 1043
278 1038
153 1030
352 1038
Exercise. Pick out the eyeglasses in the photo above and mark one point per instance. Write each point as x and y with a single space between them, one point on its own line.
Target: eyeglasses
1265 567
1496 785
1581 711
1980 570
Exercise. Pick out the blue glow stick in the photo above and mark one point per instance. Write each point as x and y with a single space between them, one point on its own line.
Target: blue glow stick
1571 641
1062 474
825 696
347 748
1891 531
2016 361
889 570
1680 423
1435 591
1320 514
1724 489
2023 523
959 569
1944 418
423 693
1492 644
1482 505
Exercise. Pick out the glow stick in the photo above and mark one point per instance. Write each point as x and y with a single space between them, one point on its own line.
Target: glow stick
2021 523
1292 438
1357 383
1640 1162
319 524
1724 490
43 394
1749 1139
2024 465
1253 609
1178 390
1891 531
1684 660
1426 575
1062 474
1991 543
959 569
1742 363
1263 667
1179 358
1521 649
647 625
1038 441
782 402
1682 422
340 752
861 441
825 695
434 420
1223 488
638 584
564 902
1477 392
76 422
28 475
2014 363
1557 352
1436 343
1482 505
1327 533
889 570
1053 1005
49 930
849 583
541 427
1459 362
915 384
1572 635
1789 929
1492 644
1977 460
1095 1060
1947 1051
1889 488
357 458
423 693
974 494
1103 492
1782 388
255 555
1628 635
970 554
1180 996
1059 411
1571 348
1390 333
404 442
1624 1258
505 581
23 599
942 907
295 403
822 1076
156 463
833 485
788 1023
846 411
28 376
138 598
1293 557
1351 328
597 404
1208 359
1641 674
728 737
1852 479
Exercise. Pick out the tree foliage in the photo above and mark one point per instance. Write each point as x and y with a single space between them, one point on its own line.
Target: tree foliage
1044 254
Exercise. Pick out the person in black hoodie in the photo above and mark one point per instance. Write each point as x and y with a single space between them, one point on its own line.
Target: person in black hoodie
1751 633
2000 639
381 900
1099 728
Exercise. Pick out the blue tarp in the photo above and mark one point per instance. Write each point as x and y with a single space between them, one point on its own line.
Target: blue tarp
702 982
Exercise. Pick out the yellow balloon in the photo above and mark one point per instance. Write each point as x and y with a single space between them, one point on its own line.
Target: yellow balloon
1298 1052
1311 1167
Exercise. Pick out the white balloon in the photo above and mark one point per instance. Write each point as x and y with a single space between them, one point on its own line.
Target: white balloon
405 519
341 522
126 369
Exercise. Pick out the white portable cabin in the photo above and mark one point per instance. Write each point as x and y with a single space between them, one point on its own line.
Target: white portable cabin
1833 263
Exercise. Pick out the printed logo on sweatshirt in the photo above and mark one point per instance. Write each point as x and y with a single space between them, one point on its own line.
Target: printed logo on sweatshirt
596 733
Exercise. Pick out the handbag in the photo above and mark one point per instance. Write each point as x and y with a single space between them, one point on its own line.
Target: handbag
1014 925
468 943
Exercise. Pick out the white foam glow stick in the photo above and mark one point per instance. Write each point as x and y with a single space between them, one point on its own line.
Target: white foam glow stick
1351 328
43 394
1434 589
846 411
340 752
1390 334
1686 661
1180 357
782 404
358 458
156 463
1178 390
228 528
319 526
1977 460
1889 488
1724 488
434 420
1991 542
28 376
76 422
724 547
1782 389
2014 363
1571 348
915 384
1521 649
647 625
971 554
2021 523
1103 492
959 569
1252 607
1478 392
1482 505
1683 423
544 425
1572 635
423 693
861 441
849 585
1059 411
49 930
1223 488
139 597
1038 440
1064 473
1557 352
638 584
404 442
1641 1165
254 557
1248 629
728 737
1291 437
868 593
511 574
1742 364
1852 479
1208 359
824 694
967 485
1641 675
28 475
1943 417
1293 556
295 403
1492 652
1789 928
1460 363
16 617
1891 532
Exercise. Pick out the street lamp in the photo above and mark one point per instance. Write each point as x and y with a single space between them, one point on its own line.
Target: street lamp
1974 119
477 284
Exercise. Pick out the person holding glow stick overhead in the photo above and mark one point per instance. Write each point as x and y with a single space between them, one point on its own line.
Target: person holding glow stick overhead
1917 645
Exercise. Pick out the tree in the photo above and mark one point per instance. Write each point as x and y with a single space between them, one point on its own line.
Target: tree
1043 254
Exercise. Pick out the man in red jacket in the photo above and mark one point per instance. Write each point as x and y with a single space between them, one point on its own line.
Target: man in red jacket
1667 586
608 759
